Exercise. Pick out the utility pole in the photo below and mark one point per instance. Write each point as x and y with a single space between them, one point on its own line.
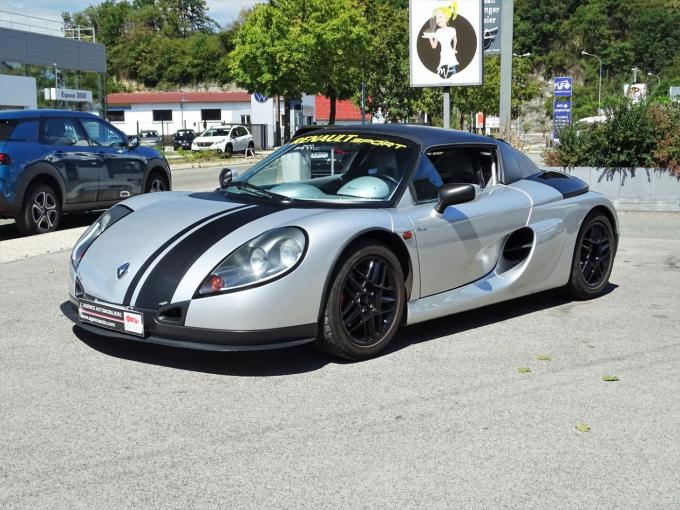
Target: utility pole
363 103
447 108
506 68
599 87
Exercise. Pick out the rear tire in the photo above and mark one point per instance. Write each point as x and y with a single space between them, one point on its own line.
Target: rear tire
365 304
41 211
593 257
156 183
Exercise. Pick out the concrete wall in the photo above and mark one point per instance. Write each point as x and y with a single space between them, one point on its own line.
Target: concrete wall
17 92
638 189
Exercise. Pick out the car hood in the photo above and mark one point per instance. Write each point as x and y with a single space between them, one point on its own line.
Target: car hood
158 218
164 224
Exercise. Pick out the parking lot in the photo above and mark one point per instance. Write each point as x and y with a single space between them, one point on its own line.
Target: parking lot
449 417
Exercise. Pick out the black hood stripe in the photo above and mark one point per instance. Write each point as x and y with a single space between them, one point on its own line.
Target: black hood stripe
138 276
168 273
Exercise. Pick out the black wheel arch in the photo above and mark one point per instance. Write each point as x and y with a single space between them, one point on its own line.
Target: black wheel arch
45 174
386 237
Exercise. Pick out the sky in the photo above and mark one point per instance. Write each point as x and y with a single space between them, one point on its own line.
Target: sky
223 11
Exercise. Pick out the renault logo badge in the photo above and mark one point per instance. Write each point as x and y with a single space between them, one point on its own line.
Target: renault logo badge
122 270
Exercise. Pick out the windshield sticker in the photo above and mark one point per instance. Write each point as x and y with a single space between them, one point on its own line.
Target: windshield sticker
348 139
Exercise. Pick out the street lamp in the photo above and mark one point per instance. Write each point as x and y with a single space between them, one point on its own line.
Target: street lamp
181 109
658 79
599 86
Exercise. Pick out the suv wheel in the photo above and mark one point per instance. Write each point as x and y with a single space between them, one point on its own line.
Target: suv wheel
228 150
156 183
41 210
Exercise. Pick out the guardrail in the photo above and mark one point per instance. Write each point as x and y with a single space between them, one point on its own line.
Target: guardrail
31 23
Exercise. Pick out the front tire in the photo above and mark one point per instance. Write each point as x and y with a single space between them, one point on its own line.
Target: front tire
41 211
365 304
228 151
593 257
156 183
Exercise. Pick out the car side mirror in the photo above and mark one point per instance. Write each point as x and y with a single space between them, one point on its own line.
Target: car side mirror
226 176
454 193
133 142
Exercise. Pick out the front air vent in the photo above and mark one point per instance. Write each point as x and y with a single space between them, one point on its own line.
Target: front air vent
517 248
80 293
173 314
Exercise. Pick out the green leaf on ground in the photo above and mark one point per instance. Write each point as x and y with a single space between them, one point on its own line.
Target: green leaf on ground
610 378
524 370
543 357
582 427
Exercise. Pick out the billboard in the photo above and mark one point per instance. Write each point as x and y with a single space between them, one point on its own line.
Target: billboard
492 26
446 43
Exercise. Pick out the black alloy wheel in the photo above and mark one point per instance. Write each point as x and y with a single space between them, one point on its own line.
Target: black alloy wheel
593 257
365 304
41 211
595 254
368 300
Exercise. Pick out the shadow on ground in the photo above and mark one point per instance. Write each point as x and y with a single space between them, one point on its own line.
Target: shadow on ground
306 358
9 230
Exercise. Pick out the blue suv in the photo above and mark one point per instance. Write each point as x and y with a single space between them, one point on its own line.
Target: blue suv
55 161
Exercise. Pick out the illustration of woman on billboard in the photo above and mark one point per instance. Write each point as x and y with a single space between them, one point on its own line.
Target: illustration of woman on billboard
444 35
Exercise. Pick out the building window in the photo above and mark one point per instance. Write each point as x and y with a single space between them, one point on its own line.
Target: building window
115 116
245 119
211 114
162 115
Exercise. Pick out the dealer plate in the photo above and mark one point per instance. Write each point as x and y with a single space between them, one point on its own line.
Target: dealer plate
112 317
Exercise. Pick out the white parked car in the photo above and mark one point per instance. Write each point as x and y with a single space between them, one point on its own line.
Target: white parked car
226 139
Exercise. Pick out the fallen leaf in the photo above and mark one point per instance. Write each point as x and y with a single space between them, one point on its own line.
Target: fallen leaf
524 370
610 378
582 427
543 357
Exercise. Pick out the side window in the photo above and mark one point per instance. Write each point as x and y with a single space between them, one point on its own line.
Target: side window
511 169
101 134
58 131
465 165
244 131
19 130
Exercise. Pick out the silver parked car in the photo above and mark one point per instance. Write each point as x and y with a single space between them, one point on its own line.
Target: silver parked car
149 137
410 224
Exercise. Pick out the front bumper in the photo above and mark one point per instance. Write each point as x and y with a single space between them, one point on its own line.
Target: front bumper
157 332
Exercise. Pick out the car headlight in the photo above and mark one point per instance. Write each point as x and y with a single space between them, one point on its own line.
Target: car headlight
117 212
267 257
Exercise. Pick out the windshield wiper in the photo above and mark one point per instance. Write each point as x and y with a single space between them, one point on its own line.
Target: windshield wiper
257 190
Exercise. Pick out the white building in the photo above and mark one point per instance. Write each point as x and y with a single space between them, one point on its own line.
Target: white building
17 92
170 111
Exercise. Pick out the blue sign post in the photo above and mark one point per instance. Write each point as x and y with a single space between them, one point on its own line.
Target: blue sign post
562 87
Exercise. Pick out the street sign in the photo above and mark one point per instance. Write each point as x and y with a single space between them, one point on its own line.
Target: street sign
562 106
562 86
446 43
674 93
492 26
69 95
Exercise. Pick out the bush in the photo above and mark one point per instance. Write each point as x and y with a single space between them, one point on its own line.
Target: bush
642 135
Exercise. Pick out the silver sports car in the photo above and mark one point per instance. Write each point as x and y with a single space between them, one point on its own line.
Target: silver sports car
407 224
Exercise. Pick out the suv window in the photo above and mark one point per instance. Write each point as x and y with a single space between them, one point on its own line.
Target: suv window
18 130
242 131
56 131
101 134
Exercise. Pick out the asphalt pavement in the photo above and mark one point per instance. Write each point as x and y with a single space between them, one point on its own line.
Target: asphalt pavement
448 418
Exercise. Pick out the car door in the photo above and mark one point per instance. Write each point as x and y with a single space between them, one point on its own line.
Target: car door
69 151
122 171
464 243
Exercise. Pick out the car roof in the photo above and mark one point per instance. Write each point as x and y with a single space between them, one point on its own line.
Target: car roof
32 114
425 136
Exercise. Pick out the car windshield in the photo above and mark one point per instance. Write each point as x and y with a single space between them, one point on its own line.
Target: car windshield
217 132
333 167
